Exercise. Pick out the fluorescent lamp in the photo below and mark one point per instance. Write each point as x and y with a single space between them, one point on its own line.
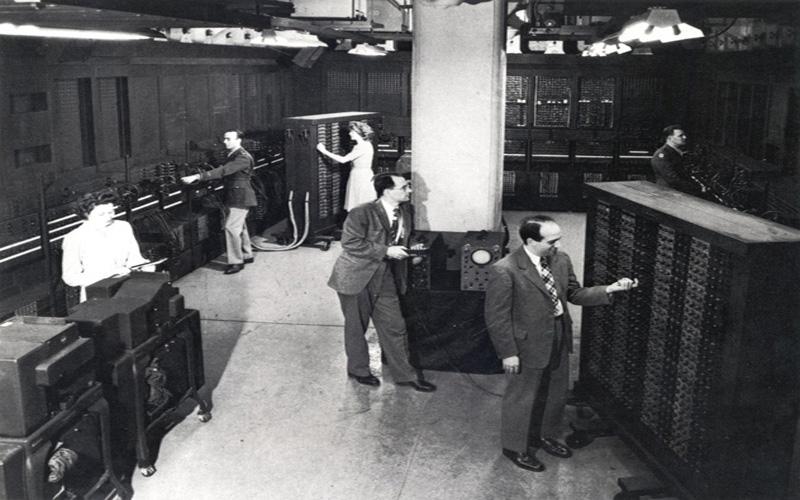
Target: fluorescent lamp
606 48
288 38
365 49
633 31
658 25
680 32
244 37
36 31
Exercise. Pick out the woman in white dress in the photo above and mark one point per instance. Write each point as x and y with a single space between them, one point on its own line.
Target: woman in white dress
359 186
101 247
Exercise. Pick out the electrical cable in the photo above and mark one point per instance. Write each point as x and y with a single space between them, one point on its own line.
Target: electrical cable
296 242
715 35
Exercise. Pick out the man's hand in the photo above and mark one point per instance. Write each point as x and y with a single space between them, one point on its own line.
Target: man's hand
622 285
511 364
321 148
397 252
190 179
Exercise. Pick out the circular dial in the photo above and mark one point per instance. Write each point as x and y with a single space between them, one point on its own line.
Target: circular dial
481 257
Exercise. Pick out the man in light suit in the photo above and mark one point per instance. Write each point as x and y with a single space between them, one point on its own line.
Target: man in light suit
239 197
530 327
368 276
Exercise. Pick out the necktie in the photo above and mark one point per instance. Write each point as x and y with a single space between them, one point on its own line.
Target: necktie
549 283
395 224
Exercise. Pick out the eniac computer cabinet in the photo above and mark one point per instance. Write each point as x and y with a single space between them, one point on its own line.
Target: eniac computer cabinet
699 365
54 422
307 171
149 357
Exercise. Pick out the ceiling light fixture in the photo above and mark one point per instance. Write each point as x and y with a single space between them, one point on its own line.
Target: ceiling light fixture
606 47
288 38
367 50
244 37
658 25
30 30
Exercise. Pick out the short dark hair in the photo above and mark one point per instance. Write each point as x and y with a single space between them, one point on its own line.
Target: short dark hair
669 129
531 226
239 133
384 181
86 203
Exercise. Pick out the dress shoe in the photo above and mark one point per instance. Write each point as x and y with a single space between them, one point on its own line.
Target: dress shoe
249 260
524 461
366 379
555 448
419 385
234 268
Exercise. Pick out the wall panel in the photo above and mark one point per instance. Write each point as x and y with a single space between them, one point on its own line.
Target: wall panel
198 113
67 153
172 91
145 131
107 124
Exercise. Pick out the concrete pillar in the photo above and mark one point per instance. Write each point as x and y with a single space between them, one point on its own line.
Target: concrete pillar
457 96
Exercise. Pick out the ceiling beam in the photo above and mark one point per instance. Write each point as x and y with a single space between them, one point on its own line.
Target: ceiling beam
213 14
698 8
183 13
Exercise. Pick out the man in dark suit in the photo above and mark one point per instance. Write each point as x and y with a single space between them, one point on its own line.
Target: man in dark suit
239 197
368 276
667 161
530 327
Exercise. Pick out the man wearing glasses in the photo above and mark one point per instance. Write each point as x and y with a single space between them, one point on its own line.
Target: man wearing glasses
530 327
368 276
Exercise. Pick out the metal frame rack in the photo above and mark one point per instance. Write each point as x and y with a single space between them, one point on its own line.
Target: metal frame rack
307 171
698 366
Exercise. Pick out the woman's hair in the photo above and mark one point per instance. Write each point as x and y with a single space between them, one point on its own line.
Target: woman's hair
362 129
86 203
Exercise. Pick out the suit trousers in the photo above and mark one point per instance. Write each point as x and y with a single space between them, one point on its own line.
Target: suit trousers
379 301
534 401
237 239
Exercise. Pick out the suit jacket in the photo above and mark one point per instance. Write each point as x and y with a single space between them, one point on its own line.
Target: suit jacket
236 173
518 308
365 238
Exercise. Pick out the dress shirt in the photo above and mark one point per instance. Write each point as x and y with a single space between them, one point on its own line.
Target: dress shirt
390 214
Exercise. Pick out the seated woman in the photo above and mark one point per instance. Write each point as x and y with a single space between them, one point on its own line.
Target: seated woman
359 186
101 247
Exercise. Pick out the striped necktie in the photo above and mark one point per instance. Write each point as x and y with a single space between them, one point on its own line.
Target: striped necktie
549 283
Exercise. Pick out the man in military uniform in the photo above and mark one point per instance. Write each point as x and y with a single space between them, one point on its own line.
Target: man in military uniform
239 197
667 161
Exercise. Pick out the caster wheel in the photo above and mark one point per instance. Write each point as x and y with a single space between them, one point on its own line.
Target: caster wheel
147 471
204 417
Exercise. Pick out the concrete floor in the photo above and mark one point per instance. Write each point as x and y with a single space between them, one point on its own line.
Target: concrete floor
288 423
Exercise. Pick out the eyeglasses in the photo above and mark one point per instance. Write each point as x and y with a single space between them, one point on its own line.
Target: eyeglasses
407 187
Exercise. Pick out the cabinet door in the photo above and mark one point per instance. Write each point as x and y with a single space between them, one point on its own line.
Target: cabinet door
552 101
518 94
